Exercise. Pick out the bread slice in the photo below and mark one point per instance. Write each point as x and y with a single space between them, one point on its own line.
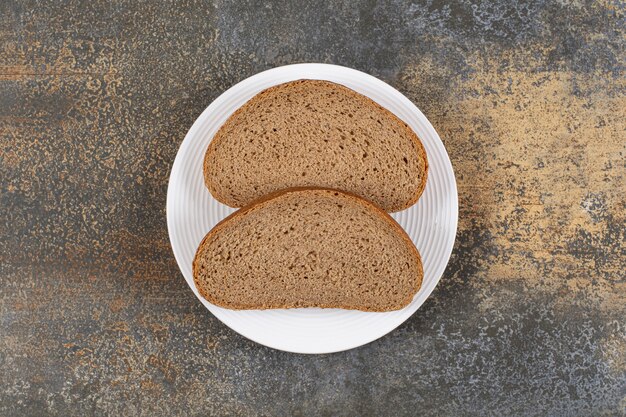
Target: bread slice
312 133
308 248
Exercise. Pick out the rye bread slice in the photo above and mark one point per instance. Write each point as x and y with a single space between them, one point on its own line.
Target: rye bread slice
312 133
308 248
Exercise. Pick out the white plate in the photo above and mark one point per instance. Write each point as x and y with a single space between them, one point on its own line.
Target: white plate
431 223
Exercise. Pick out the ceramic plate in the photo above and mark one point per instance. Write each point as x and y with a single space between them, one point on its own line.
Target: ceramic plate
431 223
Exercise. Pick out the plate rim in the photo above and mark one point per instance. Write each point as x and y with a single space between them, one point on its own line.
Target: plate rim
178 160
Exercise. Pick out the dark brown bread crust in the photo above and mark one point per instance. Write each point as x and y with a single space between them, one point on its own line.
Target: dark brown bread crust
421 152
258 204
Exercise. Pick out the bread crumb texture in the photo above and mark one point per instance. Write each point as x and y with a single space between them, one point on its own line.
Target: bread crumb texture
308 248
313 133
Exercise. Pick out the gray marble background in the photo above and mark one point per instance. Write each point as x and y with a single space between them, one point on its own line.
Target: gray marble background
96 97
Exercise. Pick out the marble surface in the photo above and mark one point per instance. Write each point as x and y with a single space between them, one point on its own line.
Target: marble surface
529 99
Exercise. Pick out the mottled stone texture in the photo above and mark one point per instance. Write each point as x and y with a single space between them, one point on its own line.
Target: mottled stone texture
529 98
